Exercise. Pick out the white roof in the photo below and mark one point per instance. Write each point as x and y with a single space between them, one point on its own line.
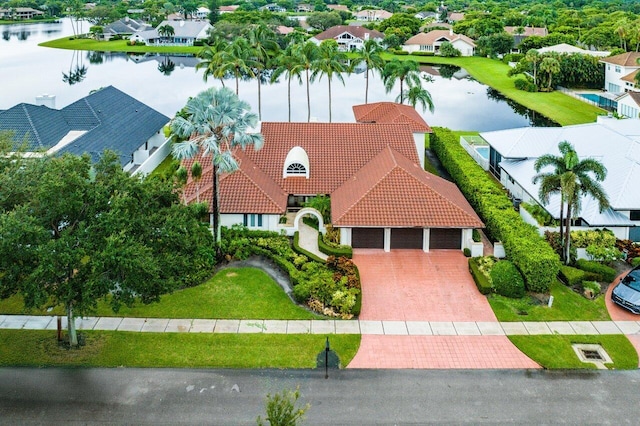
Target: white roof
615 143
567 48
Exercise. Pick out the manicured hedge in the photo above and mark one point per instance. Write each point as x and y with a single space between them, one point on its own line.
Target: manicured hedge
507 280
345 251
483 284
535 259
606 273
573 276
300 250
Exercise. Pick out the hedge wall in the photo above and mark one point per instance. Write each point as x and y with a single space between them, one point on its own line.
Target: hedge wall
345 251
531 254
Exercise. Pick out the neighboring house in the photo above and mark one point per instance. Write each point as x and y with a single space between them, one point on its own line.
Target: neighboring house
615 143
304 7
629 105
185 34
520 33
227 9
272 7
426 15
569 49
106 119
380 195
431 42
124 27
338 8
202 13
20 13
453 17
348 37
394 113
620 71
372 15
284 30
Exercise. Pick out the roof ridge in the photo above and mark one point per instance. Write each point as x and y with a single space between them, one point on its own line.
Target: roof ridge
33 127
260 188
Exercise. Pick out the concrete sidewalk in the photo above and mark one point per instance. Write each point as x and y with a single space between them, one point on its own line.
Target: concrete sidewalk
396 328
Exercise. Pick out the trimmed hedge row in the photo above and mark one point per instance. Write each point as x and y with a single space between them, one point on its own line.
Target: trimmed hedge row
300 250
535 259
344 251
483 284
604 272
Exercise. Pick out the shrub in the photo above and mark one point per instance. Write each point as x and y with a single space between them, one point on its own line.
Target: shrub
630 249
475 236
507 280
635 261
482 281
467 252
418 53
512 57
338 251
400 52
591 289
526 85
603 254
600 237
573 277
535 259
605 272
539 214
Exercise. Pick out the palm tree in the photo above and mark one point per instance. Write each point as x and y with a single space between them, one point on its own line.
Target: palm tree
265 48
417 95
574 179
167 66
331 61
305 55
209 57
286 63
533 56
236 59
550 66
216 121
166 31
407 70
370 54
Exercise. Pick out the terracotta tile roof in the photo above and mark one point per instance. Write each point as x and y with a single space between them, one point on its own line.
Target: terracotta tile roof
391 113
628 59
391 190
527 31
427 39
359 32
631 77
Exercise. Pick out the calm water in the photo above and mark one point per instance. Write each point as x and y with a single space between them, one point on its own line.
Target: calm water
27 70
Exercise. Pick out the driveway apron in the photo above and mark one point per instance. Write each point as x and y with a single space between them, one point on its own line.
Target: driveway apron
410 285
618 313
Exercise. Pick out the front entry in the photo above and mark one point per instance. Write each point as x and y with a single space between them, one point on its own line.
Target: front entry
406 238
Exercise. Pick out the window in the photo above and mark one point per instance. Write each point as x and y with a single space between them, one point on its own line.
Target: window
296 169
252 220
617 68
634 215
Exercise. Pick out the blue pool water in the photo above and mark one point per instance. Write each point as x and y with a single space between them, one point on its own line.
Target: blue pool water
591 96
601 101
483 150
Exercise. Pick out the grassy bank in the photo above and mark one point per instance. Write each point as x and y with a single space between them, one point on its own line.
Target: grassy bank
234 293
554 352
114 349
71 43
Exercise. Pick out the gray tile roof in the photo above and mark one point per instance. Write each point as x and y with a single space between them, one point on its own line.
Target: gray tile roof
111 118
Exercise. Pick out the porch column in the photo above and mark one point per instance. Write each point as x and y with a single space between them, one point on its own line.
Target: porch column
387 239
426 232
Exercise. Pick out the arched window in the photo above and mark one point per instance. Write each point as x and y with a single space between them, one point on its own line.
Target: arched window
296 169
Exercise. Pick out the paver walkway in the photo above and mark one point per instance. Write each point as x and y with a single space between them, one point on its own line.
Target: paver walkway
308 240
363 327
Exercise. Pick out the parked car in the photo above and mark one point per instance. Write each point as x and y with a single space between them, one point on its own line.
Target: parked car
627 292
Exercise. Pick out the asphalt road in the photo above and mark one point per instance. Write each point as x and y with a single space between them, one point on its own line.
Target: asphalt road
348 397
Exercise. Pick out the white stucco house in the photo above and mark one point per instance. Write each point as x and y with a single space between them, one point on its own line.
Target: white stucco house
431 42
613 142
372 15
348 37
620 71
629 105
185 34
381 196
570 49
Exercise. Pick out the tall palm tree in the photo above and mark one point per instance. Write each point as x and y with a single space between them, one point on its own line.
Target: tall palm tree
264 49
550 66
286 63
331 61
209 57
575 178
216 121
533 56
166 31
236 59
370 54
407 70
305 55
417 95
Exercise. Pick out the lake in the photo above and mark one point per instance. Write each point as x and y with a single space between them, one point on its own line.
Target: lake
165 83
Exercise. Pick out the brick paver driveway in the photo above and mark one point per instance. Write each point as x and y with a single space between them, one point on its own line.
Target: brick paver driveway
410 285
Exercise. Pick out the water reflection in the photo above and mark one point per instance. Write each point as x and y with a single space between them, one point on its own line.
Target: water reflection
167 66
77 70
535 118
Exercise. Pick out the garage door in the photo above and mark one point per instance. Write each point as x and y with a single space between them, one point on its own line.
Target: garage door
367 238
406 238
445 239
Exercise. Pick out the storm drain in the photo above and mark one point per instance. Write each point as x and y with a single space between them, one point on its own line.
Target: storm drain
594 354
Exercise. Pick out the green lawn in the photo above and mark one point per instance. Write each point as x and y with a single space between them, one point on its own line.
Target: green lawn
114 349
234 293
115 46
556 352
557 106
567 306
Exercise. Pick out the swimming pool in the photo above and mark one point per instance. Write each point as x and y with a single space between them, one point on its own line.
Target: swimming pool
483 151
591 96
601 101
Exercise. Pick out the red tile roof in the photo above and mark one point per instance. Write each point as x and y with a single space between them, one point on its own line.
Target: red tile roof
393 191
391 113
527 31
359 32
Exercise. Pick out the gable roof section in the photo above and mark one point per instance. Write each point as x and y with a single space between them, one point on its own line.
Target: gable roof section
359 32
433 36
391 113
41 127
527 31
628 59
635 97
631 77
393 191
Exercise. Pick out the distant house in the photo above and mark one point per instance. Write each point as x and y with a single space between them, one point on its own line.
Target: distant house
613 142
124 27
272 7
202 13
20 13
426 15
620 71
228 9
569 49
629 105
304 7
453 17
520 33
431 42
185 34
284 30
348 37
338 8
372 15
106 119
